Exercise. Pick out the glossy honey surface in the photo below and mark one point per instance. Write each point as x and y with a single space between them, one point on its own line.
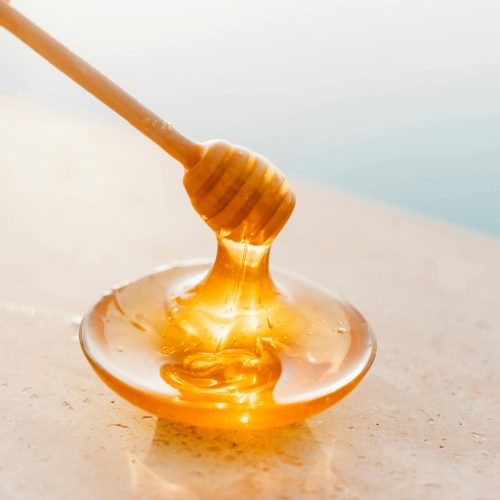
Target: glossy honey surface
227 346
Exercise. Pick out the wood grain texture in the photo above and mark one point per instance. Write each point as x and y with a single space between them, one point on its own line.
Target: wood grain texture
84 205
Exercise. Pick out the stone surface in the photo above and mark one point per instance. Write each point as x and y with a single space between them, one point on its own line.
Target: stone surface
85 205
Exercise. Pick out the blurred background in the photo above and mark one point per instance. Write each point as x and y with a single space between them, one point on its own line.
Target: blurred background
397 101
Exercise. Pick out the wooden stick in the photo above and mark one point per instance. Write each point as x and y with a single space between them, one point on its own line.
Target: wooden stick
140 117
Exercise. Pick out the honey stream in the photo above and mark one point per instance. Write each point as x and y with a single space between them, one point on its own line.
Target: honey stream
222 334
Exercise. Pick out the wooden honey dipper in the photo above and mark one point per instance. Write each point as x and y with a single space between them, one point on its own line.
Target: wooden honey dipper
241 195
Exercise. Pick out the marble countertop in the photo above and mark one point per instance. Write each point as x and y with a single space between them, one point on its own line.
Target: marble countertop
85 205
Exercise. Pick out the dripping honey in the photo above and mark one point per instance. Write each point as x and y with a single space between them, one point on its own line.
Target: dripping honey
222 334
220 340
225 345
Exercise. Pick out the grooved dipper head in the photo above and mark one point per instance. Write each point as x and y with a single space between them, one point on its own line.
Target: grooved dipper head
241 195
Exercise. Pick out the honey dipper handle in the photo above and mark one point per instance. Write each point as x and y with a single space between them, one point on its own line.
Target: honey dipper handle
140 117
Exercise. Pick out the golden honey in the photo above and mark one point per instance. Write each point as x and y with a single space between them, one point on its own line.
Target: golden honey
225 346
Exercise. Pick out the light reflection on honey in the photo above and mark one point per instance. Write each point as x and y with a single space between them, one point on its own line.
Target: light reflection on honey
226 346
220 342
